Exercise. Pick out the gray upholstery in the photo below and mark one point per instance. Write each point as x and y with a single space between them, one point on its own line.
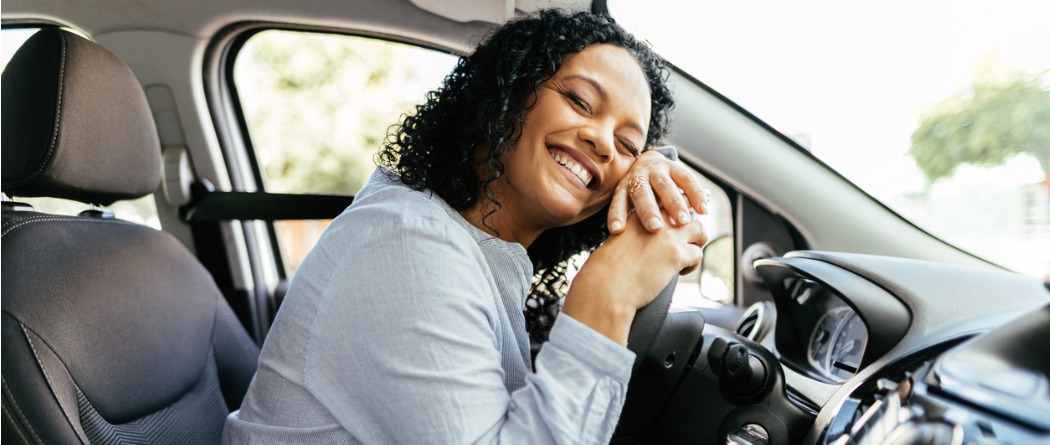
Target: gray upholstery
112 331
72 127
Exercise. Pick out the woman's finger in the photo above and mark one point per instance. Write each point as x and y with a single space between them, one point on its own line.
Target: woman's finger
618 209
691 251
696 233
640 191
671 197
690 185
694 254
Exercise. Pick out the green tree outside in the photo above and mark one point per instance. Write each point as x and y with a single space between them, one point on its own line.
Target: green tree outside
318 106
986 124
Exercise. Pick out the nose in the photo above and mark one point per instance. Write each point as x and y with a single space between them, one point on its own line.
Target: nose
599 135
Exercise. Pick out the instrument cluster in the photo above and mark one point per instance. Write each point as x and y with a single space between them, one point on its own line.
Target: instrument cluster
836 336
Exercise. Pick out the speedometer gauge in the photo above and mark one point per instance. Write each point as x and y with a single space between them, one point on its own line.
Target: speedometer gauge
837 343
849 347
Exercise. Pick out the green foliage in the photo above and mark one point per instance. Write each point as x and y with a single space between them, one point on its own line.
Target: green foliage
318 106
986 124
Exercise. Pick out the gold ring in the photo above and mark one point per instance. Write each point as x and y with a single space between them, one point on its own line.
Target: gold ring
637 183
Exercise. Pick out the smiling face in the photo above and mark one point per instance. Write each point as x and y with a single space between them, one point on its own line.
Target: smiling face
580 138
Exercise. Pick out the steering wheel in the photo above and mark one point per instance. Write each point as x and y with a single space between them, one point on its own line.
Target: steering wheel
647 323
647 392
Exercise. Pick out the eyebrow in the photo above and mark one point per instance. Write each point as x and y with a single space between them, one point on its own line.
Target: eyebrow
605 96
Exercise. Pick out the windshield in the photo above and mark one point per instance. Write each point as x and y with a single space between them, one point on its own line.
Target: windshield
939 109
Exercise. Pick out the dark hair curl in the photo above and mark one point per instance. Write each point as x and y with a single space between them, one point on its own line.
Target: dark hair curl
482 105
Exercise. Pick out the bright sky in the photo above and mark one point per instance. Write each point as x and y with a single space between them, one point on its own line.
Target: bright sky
851 75
854 77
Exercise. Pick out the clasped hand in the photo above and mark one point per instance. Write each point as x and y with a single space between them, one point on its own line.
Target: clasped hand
652 183
647 247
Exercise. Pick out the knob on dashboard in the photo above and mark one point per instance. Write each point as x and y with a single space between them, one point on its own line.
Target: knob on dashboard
755 252
741 373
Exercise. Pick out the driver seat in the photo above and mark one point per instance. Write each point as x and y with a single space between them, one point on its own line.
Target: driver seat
112 332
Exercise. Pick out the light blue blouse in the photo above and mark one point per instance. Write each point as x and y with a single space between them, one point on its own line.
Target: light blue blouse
404 325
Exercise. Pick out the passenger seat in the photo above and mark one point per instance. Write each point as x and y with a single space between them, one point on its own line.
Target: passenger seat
113 332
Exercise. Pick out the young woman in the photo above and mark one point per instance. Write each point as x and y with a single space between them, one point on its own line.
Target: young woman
405 324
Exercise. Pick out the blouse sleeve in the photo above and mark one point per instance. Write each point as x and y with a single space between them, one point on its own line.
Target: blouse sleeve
669 151
403 351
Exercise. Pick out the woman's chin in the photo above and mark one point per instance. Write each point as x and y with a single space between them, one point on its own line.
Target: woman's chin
568 215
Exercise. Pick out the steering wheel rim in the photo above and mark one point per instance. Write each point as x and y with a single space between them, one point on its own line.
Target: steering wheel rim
645 329
647 323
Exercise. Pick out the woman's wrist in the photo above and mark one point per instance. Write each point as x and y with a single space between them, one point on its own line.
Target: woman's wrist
604 315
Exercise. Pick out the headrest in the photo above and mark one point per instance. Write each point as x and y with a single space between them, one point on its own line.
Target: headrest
76 124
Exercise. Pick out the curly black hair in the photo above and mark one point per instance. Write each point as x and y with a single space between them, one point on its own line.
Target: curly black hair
482 105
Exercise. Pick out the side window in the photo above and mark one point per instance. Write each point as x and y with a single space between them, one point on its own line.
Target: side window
318 107
142 210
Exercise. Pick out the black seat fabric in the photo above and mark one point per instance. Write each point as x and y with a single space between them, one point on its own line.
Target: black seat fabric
112 331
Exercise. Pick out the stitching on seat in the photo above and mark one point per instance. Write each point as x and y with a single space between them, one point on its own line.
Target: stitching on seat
47 377
20 414
58 116
21 435
12 225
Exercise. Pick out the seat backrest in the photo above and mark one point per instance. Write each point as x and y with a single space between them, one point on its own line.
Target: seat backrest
112 331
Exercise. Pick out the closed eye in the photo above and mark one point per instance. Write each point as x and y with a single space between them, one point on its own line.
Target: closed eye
576 99
629 147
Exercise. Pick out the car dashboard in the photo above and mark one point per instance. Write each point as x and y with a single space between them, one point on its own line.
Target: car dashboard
865 349
920 352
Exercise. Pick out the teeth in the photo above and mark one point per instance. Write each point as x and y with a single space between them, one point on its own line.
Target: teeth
575 168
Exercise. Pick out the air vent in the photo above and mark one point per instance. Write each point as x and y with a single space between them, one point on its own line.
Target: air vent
747 326
757 321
